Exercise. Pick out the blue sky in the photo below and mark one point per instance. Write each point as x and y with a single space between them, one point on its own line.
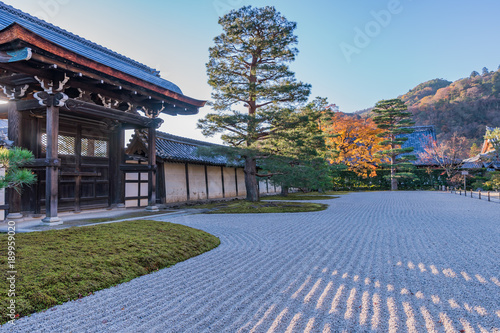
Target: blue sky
354 52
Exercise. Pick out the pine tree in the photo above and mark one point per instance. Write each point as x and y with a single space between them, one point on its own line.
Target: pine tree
12 161
392 117
248 66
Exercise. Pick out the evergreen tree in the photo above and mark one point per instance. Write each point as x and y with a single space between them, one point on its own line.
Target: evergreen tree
392 117
296 150
474 150
474 74
248 66
12 161
485 71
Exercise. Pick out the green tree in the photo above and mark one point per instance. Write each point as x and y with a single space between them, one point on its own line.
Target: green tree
392 117
474 74
474 150
495 83
248 66
493 135
296 151
12 161
485 71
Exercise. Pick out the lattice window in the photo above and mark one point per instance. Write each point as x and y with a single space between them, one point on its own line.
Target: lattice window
65 144
95 148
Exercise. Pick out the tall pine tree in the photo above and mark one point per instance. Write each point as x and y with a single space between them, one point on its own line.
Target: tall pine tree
248 67
392 117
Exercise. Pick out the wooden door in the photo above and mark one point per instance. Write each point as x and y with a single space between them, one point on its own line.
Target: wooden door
84 172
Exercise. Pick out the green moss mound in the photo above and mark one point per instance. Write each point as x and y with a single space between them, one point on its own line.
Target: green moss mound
61 265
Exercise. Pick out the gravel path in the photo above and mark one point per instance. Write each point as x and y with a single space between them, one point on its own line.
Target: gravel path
384 262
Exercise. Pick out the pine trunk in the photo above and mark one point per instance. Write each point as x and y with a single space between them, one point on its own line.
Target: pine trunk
394 181
251 179
284 191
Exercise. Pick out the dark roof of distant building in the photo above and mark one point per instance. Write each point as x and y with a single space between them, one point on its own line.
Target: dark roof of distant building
488 161
178 149
10 15
420 139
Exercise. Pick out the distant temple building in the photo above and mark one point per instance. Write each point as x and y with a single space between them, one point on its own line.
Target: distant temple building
488 157
421 139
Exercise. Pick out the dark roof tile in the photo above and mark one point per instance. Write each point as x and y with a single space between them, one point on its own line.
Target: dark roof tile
178 149
420 139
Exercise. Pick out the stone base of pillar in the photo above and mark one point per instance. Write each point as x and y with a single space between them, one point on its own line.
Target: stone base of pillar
120 206
15 217
52 221
152 209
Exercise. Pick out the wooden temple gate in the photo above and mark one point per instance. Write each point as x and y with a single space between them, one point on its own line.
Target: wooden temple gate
71 111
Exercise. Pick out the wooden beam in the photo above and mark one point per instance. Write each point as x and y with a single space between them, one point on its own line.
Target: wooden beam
113 90
135 167
29 105
17 79
90 109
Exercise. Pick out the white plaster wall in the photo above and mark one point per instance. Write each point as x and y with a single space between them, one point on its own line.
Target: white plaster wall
242 190
197 184
130 203
131 190
229 183
175 182
214 182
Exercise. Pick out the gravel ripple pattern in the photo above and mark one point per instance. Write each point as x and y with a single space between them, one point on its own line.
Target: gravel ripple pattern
381 262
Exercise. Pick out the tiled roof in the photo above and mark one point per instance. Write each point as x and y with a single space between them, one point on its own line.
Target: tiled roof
420 139
82 46
487 161
178 149
473 165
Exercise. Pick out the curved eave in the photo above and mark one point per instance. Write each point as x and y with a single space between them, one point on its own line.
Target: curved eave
16 32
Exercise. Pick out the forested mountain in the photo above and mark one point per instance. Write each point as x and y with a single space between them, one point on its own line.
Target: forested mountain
465 106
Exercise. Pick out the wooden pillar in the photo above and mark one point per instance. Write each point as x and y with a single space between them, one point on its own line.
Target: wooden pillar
223 185
206 181
152 169
14 134
78 161
53 101
52 170
186 167
236 180
116 158
161 185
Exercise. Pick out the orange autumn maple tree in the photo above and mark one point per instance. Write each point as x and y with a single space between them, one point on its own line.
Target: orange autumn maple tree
356 143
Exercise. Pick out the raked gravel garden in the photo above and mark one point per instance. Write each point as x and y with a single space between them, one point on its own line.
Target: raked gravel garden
381 261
